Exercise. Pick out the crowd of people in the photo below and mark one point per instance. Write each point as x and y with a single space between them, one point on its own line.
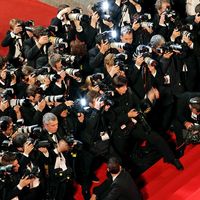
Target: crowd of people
90 88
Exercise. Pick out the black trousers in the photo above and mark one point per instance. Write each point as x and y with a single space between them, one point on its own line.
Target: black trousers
155 140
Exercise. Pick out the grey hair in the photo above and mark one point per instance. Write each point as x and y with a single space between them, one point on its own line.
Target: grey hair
125 30
54 58
158 3
156 40
49 117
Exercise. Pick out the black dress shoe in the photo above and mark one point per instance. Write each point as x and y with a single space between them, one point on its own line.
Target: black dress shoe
95 179
177 164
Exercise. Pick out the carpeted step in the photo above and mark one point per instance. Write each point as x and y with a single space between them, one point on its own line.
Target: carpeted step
160 167
187 189
170 185
195 195
166 172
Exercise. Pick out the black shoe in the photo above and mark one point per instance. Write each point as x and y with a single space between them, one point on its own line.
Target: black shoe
95 179
177 164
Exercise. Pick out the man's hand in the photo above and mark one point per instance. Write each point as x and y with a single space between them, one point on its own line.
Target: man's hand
93 197
43 149
69 103
24 182
139 60
167 55
188 124
44 39
62 146
17 29
176 33
162 19
41 105
187 40
114 70
81 117
153 94
28 147
104 46
3 74
135 26
133 113
4 105
94 19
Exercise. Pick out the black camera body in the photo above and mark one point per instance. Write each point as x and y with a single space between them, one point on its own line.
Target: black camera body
32 173
120 60
169 47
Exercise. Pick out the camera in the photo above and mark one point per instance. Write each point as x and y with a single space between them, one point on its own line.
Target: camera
70 59
27 129
96 78
38 143
54 98
120 59
7 94
18 102
143 18
76 14
142 119
41 71
74 72
103 8
170 15
150 61
121 45
169 47
6 168
75 145
79 106
145 51
32 173
106 98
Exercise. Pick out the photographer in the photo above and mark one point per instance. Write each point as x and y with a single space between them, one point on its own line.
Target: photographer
32 109
187 115
15 187
14 40
164 18
119 184
170 78
60 86
98 53
6 79
128 9
36 47
95 138
60 173
62 23
129 125
6 130
143 28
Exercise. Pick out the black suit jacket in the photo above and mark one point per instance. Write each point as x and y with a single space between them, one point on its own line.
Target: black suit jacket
36 57
123 188
10 42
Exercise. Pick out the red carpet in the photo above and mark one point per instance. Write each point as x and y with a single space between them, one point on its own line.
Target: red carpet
25 10
163 181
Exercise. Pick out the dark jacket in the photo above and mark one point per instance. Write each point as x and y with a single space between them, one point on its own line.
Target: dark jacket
123 188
